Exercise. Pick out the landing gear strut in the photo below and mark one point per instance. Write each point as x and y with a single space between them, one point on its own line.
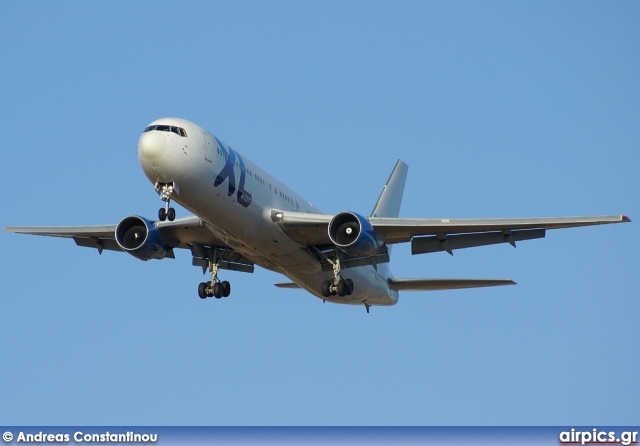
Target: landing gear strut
165 191
339 286
214 288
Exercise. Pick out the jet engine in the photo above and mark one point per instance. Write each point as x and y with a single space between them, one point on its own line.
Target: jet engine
140 238
353 234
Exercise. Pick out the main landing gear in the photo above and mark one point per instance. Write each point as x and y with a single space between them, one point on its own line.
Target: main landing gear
218 290
214 288
341 287
165 191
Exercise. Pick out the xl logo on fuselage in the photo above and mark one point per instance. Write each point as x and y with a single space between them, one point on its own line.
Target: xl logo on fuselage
230 155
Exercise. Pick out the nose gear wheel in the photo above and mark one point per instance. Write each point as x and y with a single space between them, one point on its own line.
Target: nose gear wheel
167 212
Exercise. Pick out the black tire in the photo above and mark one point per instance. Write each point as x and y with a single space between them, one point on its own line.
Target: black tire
349 286
326 288
202 290
162 214
226 289
171 214
342 288
217 291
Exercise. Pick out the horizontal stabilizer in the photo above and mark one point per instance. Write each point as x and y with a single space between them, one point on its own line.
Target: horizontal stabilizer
444 284
287 285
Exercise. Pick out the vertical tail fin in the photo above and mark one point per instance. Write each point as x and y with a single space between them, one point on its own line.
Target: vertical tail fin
388 204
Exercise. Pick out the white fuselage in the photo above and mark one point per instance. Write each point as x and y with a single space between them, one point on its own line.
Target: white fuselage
236 198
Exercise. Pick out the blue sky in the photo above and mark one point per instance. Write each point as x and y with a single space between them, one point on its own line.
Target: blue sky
501 109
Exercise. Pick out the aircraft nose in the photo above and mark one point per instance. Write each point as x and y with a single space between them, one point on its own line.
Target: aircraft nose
152 145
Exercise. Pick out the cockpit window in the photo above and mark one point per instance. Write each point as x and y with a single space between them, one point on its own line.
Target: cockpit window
167 128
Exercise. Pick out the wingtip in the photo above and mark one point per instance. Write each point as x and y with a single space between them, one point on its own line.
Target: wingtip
625 219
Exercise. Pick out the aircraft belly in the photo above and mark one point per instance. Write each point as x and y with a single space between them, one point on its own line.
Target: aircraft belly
244 228
369 286
269 248
249 230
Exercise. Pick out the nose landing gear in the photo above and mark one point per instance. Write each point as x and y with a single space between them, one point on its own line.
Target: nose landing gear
165 191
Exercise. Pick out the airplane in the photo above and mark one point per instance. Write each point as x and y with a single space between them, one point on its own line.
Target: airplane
242 217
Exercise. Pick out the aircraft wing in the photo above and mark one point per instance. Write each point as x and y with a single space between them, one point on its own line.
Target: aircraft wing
437 234
180 233
399 230
186 232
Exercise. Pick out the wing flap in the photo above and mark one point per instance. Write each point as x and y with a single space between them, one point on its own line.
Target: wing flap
422 245
97 243
400 230
224 264
444 284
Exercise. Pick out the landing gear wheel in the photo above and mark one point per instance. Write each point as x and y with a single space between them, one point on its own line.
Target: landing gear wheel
165 190
326 288
217 291
349 286
226 288
202 290
342 288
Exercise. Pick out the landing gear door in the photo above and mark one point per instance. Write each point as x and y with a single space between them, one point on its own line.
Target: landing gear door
208 148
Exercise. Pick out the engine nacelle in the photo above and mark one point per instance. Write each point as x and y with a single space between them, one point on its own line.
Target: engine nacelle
353 234
140 238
